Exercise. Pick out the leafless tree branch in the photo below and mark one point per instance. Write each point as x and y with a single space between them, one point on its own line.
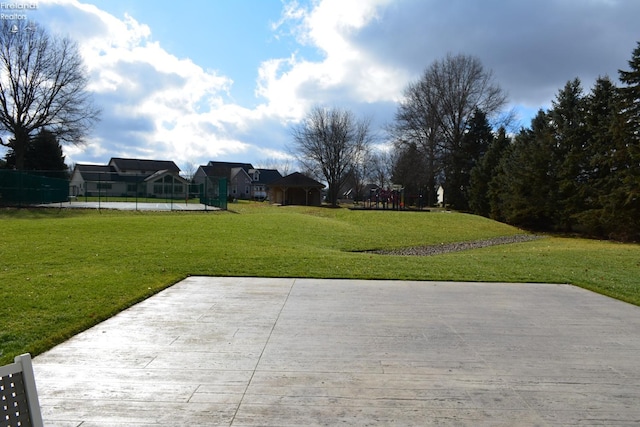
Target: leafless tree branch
42 86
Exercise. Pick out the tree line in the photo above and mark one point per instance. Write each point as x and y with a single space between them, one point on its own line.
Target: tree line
576 168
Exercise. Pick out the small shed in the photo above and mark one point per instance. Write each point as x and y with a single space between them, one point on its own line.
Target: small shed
296 189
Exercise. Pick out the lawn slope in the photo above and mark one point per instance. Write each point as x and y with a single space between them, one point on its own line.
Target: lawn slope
62 271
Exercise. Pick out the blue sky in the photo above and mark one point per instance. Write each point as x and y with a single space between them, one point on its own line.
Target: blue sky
231 37
202 80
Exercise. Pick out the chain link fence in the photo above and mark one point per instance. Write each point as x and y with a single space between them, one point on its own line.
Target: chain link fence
28 188
21 188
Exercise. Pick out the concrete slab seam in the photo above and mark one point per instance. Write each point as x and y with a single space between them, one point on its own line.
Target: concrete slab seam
266 343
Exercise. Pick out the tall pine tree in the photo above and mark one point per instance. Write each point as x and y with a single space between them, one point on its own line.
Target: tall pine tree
473 145
480 197
596 180
630 93
525 188
567 122
624 200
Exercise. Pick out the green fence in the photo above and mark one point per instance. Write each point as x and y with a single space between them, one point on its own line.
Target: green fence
156 188
18 188
24 188
213 192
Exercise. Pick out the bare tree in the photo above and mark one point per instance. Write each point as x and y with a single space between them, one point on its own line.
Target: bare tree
42 87
417 124
382 162
438 107
461 86
360 172
282 165
330 142
189 171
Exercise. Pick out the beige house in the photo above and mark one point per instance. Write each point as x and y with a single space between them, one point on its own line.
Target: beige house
129 178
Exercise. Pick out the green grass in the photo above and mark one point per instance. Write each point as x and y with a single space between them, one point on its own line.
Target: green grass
62 271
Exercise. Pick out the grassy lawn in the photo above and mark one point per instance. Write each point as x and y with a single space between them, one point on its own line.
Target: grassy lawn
62 271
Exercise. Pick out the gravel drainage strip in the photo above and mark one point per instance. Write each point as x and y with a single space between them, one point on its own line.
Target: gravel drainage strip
456 247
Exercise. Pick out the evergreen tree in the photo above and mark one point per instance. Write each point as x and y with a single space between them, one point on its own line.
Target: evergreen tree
567 121
473 145
480 199
624 199
43 154
596 181
525 187
630 93
578 166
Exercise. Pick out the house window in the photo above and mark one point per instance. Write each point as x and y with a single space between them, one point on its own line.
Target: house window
104 186
246 189
131 188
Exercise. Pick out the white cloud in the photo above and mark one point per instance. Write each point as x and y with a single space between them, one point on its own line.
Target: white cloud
161 105
154 103
345 74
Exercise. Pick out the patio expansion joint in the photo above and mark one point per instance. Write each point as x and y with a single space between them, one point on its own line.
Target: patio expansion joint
266 343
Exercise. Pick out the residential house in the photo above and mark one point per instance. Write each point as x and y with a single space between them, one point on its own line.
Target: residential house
243 180
296 189
260 178
129 178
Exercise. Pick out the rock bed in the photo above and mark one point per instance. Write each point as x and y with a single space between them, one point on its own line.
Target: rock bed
458 246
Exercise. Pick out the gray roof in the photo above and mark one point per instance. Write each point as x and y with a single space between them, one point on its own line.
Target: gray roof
142 165
268 175
97 172
298 180
223 169
110 173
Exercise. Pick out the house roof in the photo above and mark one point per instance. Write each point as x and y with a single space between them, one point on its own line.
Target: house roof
216 171
111 174
160 173
223 169
96 172
267 176
246 166
298 180
143 165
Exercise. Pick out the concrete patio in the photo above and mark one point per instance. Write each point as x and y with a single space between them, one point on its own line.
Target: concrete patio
284 352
